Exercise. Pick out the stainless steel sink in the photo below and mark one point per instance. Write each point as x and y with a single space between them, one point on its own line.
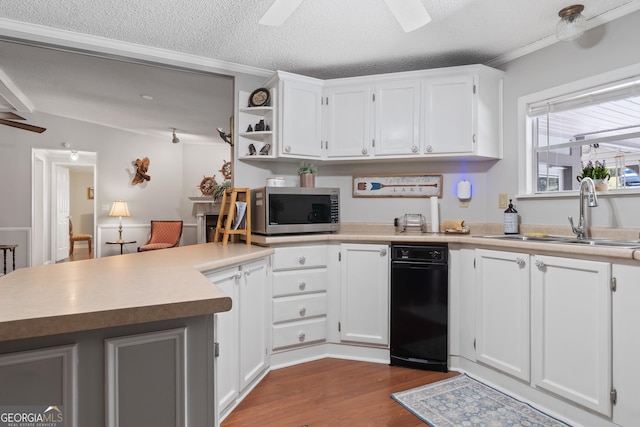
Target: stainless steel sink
623 244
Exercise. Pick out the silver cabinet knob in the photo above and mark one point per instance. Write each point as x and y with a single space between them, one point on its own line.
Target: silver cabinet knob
520 262
414 149
365 151
302 260
303 311
301 336
539 263
238 275
287 149
302 286
429 149
383 252
247 273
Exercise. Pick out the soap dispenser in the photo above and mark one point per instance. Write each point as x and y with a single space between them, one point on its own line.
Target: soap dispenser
510 220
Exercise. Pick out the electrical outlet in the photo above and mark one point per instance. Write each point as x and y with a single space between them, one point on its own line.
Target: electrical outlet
502 200
464 204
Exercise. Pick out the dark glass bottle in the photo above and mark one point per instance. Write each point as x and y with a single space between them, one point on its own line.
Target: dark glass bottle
510 220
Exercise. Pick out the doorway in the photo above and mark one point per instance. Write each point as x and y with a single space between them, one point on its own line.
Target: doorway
63 189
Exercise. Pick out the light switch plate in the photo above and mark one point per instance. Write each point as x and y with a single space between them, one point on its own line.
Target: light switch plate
502 200
105 208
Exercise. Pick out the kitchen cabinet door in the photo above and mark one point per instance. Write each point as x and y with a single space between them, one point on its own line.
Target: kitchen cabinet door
502 311
462 301
348 121
397 118
450 111
301 135
226 324
626 346
253 321
571 330
364 314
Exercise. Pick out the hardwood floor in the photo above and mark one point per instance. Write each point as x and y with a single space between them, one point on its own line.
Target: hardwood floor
332 392
78 254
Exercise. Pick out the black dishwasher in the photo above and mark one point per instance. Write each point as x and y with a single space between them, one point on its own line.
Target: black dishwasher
419 306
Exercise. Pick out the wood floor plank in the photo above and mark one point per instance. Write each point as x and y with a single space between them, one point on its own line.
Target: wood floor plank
331 392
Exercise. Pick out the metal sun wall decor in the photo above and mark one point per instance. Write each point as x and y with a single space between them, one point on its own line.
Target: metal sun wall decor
397 186
142 166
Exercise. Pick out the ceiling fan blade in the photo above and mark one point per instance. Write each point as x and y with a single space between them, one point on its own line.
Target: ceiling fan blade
8 115
279 11
23 126
411 14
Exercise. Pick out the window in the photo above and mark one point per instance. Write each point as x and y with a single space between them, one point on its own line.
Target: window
597 124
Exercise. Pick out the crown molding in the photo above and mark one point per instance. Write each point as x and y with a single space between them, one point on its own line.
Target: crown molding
40 35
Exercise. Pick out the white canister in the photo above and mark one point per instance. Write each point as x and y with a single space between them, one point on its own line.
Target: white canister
275 182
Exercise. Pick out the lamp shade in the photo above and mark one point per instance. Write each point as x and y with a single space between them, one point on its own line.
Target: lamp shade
119 208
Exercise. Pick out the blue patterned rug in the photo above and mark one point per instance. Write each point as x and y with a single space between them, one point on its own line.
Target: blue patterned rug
464 401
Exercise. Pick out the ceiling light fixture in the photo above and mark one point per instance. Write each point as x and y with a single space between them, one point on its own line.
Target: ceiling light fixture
572 24
175 139
74 155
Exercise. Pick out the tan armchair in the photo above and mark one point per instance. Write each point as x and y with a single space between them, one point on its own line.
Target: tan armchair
164 234
78 238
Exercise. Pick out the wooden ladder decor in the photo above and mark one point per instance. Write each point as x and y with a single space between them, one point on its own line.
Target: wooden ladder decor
228 209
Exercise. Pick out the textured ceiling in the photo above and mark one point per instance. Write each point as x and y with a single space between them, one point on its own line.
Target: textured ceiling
322 38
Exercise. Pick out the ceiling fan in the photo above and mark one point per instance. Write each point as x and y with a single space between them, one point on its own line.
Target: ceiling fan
7 118
411 14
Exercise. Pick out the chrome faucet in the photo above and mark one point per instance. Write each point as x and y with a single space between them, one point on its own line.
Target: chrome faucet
582 230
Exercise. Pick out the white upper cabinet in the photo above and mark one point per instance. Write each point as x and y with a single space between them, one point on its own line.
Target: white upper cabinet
300 119
348 120
372 119
442 113
449 115
397 118
463 113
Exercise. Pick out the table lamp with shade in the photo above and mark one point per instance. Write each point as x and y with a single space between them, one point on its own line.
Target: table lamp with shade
119 209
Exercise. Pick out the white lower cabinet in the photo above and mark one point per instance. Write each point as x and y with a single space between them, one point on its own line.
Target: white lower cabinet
241 333
626 346
502 311
571 330
364 313
299 297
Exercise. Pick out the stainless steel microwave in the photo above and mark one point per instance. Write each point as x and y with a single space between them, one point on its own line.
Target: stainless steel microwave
285 210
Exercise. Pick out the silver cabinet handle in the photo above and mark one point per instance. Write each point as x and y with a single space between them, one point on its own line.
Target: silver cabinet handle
303 311
429 149
301 336
520 261
539 263
287 149
238 275
302 286
302 260
383 252
365 151
248 271
414 149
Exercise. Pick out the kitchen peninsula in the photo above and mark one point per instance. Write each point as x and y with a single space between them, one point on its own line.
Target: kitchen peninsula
138 328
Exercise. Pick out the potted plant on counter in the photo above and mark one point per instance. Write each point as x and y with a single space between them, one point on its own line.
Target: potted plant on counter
598 172
307 173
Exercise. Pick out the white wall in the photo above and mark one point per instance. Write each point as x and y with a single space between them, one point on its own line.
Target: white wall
605 48
80 207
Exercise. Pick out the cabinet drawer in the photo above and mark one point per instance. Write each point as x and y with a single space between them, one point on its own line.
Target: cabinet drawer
300 257
299 282
299 307
299 333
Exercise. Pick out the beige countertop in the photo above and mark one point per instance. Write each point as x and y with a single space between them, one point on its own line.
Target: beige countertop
157 285
117 290
383 233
